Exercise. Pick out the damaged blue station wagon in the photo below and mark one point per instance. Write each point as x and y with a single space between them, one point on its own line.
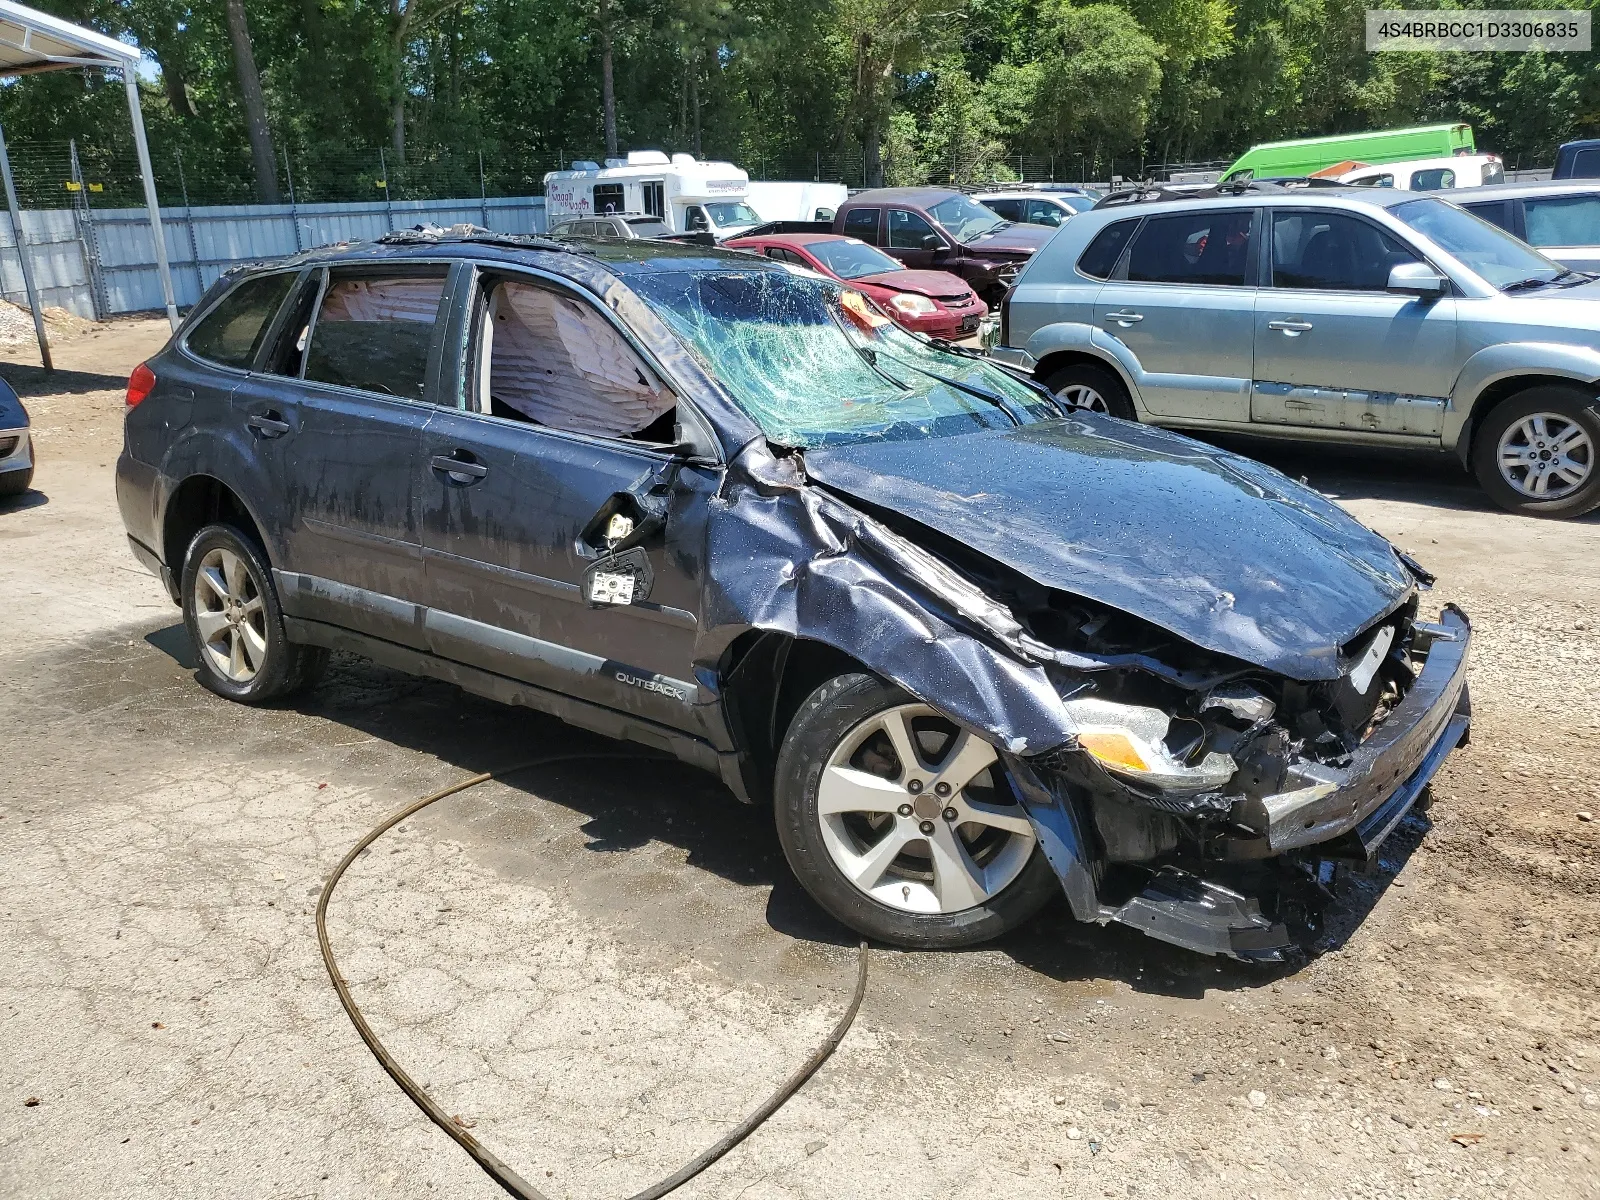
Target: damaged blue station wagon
973 648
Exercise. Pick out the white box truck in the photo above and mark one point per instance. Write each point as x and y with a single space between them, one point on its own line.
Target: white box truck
688 195
783 201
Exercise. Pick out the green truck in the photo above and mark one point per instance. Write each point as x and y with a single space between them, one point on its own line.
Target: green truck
1304 156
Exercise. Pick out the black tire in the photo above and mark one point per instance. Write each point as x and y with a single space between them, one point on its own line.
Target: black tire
14 483
278 667
831 715
1102 380
1569 404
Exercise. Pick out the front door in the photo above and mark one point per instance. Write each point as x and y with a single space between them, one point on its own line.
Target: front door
337 415
1183 301
913 240
1333 349
560 417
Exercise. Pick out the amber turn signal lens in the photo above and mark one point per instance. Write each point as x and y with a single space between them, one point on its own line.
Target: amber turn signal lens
1114 749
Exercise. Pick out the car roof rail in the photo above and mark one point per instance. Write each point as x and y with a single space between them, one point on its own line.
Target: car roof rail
433 235
1151 193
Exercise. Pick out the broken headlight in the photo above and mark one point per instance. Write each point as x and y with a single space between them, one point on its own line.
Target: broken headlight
1130 740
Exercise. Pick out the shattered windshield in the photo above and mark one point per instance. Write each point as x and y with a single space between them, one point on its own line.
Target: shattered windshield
964 219
814 364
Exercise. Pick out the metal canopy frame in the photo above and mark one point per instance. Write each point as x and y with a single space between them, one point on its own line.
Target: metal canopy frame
32 42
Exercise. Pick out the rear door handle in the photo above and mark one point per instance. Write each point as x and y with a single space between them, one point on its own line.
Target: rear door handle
1124 317
460 470
267 424
1290 327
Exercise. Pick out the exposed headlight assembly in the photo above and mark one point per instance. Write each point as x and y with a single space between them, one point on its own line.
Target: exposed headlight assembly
1129 741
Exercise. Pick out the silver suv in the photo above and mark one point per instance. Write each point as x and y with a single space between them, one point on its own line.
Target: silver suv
1374 317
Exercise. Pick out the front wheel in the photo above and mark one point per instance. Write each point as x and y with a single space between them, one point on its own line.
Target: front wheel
1536 453
1085 385
231 611
901 824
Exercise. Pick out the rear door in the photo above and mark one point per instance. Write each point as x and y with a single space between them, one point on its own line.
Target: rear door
560 423
336 413
1333 348
1182 299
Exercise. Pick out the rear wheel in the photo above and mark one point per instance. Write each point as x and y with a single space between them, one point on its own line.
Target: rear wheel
235 624
1539 452
1085 385
901 824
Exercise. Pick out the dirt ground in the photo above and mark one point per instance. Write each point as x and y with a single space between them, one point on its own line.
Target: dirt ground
600 966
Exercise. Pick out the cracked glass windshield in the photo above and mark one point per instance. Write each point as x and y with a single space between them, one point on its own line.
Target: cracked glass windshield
815 365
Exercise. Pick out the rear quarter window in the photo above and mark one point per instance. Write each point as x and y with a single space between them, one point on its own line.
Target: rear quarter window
231 332
1100 259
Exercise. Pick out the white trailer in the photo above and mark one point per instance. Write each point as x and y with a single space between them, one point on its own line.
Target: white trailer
784 201
685 193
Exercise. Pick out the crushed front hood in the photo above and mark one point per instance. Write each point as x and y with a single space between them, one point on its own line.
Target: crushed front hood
1217 549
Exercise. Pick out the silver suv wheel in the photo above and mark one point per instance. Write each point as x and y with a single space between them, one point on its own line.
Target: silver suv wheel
230 615
917 813
1546 456
1081 395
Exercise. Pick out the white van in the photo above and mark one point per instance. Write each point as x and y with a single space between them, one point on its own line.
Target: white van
1431 174
687 195
782 201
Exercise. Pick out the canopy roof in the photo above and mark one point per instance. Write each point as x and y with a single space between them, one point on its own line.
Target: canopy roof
33 41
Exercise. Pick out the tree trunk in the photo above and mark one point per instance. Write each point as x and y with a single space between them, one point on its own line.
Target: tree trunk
173 81
872 150
262 155
694 102
608 98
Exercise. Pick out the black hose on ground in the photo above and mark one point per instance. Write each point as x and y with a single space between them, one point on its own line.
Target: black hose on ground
499 1171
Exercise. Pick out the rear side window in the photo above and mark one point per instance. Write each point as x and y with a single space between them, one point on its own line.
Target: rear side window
1011 210
1563 220
1496 212
1433 180
1195 247
374 333
1586 163
1100 259
231 332
862 223
1494 173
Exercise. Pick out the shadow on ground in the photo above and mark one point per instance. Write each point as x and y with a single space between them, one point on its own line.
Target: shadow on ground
633 798
32 498
29 380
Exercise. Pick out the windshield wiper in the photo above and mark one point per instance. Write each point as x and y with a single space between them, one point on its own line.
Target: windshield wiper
1532 281
984 394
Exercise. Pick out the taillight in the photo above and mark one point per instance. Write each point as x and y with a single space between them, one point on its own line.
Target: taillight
140 383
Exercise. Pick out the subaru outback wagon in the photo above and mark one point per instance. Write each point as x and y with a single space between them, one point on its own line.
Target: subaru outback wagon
962 643
1371 317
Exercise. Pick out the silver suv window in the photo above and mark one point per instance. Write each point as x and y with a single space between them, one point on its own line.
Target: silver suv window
1205 247
1330 251
1100 259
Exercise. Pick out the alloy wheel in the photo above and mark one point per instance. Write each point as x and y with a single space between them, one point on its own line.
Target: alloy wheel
919 814
230 615
1081 395
1546 456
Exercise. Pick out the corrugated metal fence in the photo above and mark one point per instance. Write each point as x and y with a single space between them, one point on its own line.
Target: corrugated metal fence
101 262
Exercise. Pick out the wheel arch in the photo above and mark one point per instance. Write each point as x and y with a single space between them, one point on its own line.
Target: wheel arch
196 502
1055 346
765 675
1497 373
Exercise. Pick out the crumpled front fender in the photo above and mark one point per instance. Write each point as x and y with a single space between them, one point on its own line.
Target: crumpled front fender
792 561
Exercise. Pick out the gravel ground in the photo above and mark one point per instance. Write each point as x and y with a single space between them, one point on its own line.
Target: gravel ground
599 966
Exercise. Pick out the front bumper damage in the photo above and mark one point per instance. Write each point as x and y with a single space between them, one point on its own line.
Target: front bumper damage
1342 814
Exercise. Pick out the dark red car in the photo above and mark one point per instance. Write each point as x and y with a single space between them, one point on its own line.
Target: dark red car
936 303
